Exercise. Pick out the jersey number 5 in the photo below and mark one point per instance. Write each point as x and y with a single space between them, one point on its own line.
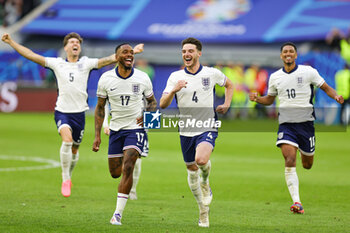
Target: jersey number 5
71 77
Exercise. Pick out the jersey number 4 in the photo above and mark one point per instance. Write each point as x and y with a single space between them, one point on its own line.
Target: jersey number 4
195 97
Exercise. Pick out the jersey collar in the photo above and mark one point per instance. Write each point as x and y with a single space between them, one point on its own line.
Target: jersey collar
295 68
73 62
199 70
119 76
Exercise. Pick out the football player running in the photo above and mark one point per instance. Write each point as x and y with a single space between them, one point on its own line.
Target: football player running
294 85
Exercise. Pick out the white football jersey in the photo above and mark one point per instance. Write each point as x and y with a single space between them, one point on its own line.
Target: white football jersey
295 92
72 79
196 101
125 96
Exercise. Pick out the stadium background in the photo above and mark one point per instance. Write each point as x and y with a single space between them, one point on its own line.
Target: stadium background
247 178
240 37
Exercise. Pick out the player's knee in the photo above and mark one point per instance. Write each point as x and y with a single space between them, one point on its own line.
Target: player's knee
307 165
128 168
201 161
307 161
290 161
115 174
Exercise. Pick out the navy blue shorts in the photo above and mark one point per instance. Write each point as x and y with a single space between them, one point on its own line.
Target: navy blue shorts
126 139
300 135
145 146
189 145
75 121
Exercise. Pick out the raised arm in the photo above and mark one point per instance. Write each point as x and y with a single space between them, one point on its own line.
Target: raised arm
99 117
138 48
166 99
228 97
105 61
332 93
24 51
265 100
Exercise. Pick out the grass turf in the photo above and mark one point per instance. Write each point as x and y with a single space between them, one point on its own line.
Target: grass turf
247 179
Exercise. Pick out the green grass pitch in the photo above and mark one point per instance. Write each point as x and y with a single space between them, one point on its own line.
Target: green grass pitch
247 179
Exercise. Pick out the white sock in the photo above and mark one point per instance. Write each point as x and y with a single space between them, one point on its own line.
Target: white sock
292 183
193 182
121 202
66 158
204 171
75 158
136 175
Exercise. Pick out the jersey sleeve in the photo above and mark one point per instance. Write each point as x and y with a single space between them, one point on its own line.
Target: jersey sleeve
272 90
101 90
219 77
92 63
316 78
148 92
169 85
50 62
89 63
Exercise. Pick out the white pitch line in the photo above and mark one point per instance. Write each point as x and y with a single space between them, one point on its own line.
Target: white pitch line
49 163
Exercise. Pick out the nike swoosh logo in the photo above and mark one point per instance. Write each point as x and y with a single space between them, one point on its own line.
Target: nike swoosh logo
112 89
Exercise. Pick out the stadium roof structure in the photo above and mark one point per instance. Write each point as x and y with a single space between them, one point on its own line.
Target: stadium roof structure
222 21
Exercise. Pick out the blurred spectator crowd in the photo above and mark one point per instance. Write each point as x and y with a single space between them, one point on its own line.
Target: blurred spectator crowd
339 42
13 10
245 79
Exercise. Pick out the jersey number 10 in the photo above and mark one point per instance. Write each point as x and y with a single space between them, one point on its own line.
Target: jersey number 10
291 93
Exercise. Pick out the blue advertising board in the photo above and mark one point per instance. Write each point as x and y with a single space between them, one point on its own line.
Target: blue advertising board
216 21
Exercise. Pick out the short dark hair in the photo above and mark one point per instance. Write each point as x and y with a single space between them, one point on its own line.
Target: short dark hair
289 43
72 35
118 47
191 40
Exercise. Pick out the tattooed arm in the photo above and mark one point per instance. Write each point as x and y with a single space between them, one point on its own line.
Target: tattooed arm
151 103
99 117
151 106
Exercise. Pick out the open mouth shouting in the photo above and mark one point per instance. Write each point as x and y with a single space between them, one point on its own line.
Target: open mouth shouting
187 60
128 62
75 49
